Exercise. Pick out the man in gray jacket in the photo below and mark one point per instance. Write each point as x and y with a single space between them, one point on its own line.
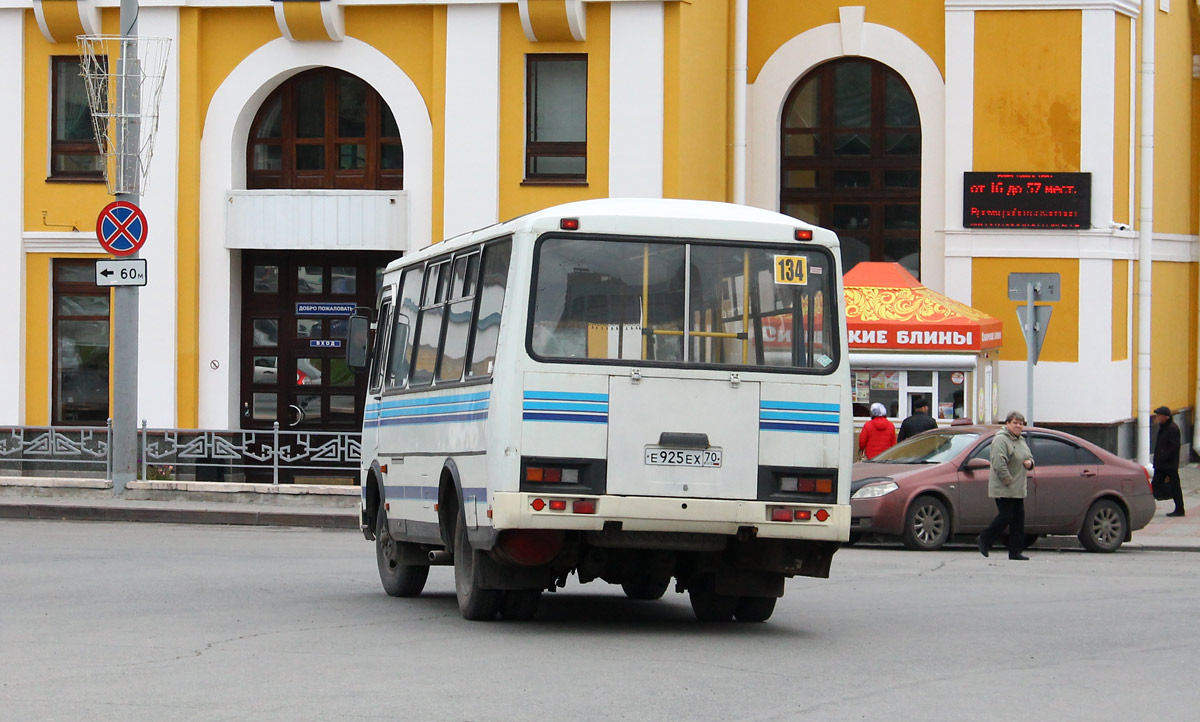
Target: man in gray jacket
1007 483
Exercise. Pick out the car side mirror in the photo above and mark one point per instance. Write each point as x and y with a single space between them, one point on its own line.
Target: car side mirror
977 464
356 343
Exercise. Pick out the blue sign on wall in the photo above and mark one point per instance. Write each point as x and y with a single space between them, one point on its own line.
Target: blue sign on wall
325 309
325 343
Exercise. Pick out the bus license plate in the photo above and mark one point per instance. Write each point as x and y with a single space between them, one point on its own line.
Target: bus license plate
708 458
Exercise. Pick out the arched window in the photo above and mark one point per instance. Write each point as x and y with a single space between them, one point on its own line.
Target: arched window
325 128
850 141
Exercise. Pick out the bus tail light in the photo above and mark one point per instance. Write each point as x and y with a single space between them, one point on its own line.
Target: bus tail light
803 234
558 505
821 515
803 515
781 514
568 224
584 506
551 474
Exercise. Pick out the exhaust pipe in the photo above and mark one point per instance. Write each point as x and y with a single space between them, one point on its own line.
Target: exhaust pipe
440 558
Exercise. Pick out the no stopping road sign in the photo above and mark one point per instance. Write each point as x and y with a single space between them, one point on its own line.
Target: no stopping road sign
121 228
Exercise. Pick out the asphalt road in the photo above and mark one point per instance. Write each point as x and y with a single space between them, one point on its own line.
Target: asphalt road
136 622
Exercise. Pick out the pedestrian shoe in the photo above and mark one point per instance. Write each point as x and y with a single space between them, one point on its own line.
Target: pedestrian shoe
1177 512
1018 557
982 549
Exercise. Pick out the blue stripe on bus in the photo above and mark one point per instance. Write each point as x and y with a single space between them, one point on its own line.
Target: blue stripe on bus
799 406
563 406
428 401
794 416
808 428
428 419
578 418
564 396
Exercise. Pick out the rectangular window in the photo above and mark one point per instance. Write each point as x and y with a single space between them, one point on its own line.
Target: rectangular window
81 326
407 308
74 154
382 327
491 302
689 304
556 117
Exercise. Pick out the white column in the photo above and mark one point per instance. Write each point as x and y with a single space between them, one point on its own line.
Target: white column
158 310
635 135
12 213
1096 122
471 197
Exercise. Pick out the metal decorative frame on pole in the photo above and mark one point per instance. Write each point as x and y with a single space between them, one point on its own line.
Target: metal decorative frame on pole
124 79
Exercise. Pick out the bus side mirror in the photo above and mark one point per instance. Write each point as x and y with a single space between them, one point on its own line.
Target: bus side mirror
356 343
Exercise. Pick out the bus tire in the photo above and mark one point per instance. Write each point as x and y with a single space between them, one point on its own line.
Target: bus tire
755 609
520 605
708 606
399 580
474 602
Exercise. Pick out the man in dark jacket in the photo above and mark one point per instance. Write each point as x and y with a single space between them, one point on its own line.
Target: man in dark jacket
918 422
1166 457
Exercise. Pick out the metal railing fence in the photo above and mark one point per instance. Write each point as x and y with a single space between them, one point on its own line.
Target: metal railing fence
272 456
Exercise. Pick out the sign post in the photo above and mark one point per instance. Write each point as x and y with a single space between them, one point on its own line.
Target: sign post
125 298
1034 320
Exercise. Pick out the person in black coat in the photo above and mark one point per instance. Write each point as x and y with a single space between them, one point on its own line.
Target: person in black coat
1166 457
918 422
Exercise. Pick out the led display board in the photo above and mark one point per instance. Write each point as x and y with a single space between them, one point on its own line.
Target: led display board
1027 200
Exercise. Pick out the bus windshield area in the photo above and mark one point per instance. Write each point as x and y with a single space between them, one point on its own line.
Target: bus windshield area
684 303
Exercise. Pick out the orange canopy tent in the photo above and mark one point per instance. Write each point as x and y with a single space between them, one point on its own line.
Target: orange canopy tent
887 308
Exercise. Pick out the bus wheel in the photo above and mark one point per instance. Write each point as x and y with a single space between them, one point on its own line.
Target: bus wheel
399 580
520 605
755 609
645 588
709 606
474 602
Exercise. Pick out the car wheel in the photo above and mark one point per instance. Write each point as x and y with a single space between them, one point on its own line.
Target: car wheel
1103 527
520 605
399 580
474 602
709 606
646 589
754 609
927 525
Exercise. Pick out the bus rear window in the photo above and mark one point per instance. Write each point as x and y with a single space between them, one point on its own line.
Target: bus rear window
677 303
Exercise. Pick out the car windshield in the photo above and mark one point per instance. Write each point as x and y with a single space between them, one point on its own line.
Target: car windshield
927 448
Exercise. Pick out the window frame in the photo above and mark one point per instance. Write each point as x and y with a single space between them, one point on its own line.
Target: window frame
373 176
59 147
536 149
74 288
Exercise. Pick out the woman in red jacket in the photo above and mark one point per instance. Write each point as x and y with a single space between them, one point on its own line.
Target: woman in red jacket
878 434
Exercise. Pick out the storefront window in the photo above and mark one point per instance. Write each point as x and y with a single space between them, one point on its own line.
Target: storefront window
889 386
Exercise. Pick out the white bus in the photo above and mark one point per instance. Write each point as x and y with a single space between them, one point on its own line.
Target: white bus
627 390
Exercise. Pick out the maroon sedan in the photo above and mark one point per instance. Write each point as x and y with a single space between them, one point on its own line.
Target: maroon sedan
933 486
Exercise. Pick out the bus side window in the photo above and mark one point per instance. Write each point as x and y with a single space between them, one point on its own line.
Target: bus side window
491 302
379 359
406 310
452 356
428 333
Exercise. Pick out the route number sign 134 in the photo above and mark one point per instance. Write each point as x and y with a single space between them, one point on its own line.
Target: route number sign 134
791 270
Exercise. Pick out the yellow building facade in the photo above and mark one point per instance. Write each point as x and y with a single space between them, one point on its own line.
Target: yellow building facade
436 118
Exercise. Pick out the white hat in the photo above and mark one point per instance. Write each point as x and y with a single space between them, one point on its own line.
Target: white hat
878 409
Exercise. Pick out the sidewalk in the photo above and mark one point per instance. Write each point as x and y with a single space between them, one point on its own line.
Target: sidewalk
181 502
336 507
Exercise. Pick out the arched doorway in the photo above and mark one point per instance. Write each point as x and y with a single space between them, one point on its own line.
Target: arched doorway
850 160
321 129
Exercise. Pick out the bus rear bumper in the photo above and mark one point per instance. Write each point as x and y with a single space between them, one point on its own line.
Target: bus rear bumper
511 510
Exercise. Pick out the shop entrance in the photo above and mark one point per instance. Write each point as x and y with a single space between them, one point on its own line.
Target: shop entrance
296 307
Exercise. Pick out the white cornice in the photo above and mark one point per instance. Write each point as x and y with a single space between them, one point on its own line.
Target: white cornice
60 242
28 4
1125 7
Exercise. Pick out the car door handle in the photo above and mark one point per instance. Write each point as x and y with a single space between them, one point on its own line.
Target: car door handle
1087 472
